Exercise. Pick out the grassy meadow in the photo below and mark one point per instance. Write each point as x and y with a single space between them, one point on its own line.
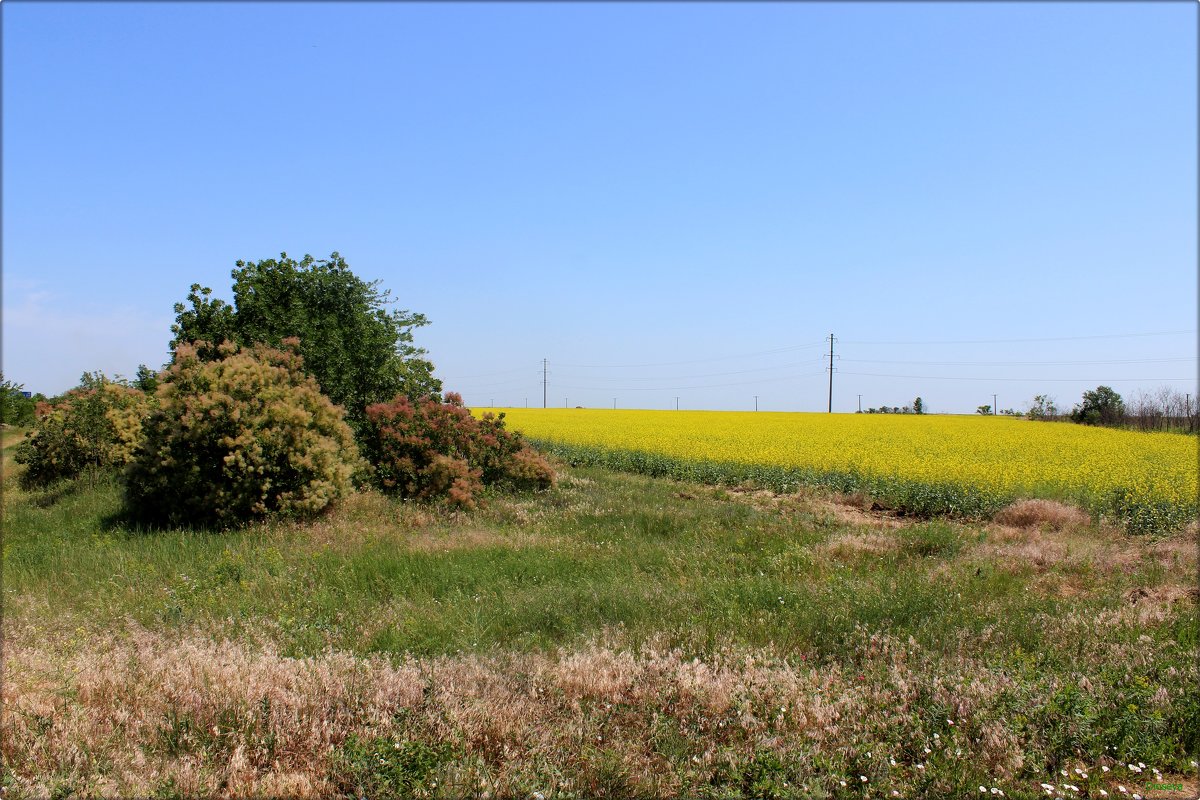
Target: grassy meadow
620 635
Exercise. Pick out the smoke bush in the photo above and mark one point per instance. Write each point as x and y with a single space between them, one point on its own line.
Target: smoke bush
432 449
248 435
96 425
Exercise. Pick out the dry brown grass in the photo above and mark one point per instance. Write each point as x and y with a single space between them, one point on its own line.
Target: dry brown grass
226 719
857 510
859 544
1101 550
1043 514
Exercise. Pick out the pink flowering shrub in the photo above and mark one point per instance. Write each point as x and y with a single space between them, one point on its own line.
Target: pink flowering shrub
249 435
430 448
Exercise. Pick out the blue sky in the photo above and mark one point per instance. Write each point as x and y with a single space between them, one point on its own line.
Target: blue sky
974 198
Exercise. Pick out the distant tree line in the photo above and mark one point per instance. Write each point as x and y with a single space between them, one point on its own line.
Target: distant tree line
1165 409
916 407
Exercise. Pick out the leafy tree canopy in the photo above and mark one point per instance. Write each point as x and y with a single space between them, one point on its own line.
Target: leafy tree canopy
1101 406
359 351
15 407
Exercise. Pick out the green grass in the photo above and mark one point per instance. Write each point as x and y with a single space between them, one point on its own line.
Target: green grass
633 559
621 551
921 498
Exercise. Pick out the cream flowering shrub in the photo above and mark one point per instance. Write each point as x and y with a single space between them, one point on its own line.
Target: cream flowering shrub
248 435
96 425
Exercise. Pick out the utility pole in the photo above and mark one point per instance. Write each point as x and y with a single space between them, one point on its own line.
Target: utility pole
831 341
676 403
543 383
860 404
756 402
564 402
995 408
614 404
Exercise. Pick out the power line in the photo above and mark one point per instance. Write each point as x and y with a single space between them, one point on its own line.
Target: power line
1019 363
483 374
952 378
831 370
1044 339
701 386
488 384
698 360
698 375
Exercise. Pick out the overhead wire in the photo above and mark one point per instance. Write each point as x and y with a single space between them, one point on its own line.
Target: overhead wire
1039 379
628 383
700 375
697 360
1012 341
674 388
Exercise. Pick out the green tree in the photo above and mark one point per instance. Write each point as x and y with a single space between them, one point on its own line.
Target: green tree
1043 407
146 380
359 351
918 406
1101 406
985 410
15 407
207 320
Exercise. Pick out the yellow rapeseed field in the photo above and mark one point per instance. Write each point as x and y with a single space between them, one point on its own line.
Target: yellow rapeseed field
999 456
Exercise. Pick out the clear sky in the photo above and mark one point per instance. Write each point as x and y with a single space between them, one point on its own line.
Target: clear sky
973 198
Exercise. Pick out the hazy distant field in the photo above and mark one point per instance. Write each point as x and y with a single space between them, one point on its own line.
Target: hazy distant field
925 463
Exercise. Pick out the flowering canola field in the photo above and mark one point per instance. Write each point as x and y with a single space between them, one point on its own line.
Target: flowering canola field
984 462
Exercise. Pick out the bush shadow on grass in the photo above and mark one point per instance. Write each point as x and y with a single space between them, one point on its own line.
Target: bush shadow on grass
131 523
135 522
51 495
